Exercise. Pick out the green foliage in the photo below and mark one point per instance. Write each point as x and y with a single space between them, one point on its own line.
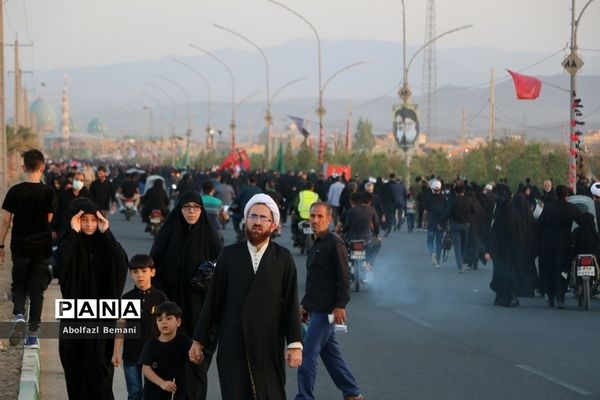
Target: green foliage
204 159
435 162
257 161
21 140
363 138
307 158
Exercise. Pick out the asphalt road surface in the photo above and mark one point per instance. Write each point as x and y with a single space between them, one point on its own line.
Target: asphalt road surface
422 333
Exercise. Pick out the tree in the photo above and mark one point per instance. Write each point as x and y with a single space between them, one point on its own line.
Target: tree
21 140
363 138
307 158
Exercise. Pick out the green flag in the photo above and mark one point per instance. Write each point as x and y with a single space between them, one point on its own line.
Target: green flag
279 164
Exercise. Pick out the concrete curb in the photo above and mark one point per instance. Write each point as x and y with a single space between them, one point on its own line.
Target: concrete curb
29 388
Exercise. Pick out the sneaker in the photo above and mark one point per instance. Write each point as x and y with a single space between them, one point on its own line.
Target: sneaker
17 330
31 342
434 260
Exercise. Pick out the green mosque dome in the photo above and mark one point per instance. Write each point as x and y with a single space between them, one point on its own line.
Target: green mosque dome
96 126
45 117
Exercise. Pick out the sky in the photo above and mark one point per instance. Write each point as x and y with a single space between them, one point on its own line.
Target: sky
72 33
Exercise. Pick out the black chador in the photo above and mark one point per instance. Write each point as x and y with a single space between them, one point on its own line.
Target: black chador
92 267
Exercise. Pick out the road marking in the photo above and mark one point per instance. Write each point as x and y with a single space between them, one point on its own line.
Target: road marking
414 319
553 379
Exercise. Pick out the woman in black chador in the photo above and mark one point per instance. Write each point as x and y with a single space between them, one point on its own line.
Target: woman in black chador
183 243
93 265
511 250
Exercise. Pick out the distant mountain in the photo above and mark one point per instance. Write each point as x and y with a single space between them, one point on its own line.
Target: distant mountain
113 92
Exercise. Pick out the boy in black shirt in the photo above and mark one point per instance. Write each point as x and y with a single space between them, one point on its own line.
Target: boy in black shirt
29 206
165 356
142 270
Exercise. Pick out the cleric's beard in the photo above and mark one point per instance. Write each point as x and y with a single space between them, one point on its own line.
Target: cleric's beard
256 237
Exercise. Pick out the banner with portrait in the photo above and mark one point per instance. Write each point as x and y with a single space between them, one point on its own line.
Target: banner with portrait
406 125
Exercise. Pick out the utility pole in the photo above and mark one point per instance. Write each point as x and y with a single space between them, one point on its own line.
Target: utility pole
429 85
348 141
572 63
492 108
20 98
463 128
3 144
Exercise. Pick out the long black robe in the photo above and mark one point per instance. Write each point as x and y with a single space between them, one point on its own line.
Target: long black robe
92 267
514 274
555 225
255 314
177 252
475 246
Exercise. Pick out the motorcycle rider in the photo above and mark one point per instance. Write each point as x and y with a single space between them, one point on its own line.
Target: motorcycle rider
301 212
361 223
155 199
128 191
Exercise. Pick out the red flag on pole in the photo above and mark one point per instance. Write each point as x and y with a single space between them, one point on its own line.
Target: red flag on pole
527 87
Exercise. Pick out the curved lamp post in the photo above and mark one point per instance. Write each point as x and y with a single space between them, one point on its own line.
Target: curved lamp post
217 59
209 138
320 109
188 131
268 117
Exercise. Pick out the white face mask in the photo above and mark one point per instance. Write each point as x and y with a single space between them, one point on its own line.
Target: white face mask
77 184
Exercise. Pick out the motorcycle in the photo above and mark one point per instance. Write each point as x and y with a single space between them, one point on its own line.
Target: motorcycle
305 236
156 220
585 278
357 259
129 208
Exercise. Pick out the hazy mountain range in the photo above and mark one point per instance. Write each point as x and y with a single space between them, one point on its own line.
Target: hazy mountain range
114 92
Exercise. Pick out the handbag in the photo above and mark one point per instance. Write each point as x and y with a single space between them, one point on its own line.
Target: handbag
202 276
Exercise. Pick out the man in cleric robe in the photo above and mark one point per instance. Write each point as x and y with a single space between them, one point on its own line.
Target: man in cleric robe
252 306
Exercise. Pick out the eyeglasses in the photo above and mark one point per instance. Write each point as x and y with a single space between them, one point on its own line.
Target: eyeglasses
261 218
191 208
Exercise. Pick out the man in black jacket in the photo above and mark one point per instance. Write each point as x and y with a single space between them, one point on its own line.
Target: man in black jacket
102 191
436 211
459 215
324 303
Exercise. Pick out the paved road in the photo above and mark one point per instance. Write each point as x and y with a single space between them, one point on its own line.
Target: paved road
424 333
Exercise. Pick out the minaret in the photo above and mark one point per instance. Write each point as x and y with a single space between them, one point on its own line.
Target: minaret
65 117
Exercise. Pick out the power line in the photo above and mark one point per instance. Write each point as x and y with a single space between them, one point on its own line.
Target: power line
26 21
7 18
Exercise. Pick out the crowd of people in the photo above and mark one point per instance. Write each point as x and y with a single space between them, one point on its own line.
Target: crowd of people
248 304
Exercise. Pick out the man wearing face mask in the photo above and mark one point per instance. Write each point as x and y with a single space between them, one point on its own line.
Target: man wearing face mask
61 222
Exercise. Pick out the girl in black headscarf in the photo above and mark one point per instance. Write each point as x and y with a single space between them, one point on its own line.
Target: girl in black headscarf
183 243
93 265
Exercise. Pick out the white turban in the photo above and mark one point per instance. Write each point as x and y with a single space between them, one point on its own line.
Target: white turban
267 201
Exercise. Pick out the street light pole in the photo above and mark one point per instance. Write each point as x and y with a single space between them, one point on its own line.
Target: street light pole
188 132
209 133
572 64
320 109
173 121
217 59
268 117
160 106
405 93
